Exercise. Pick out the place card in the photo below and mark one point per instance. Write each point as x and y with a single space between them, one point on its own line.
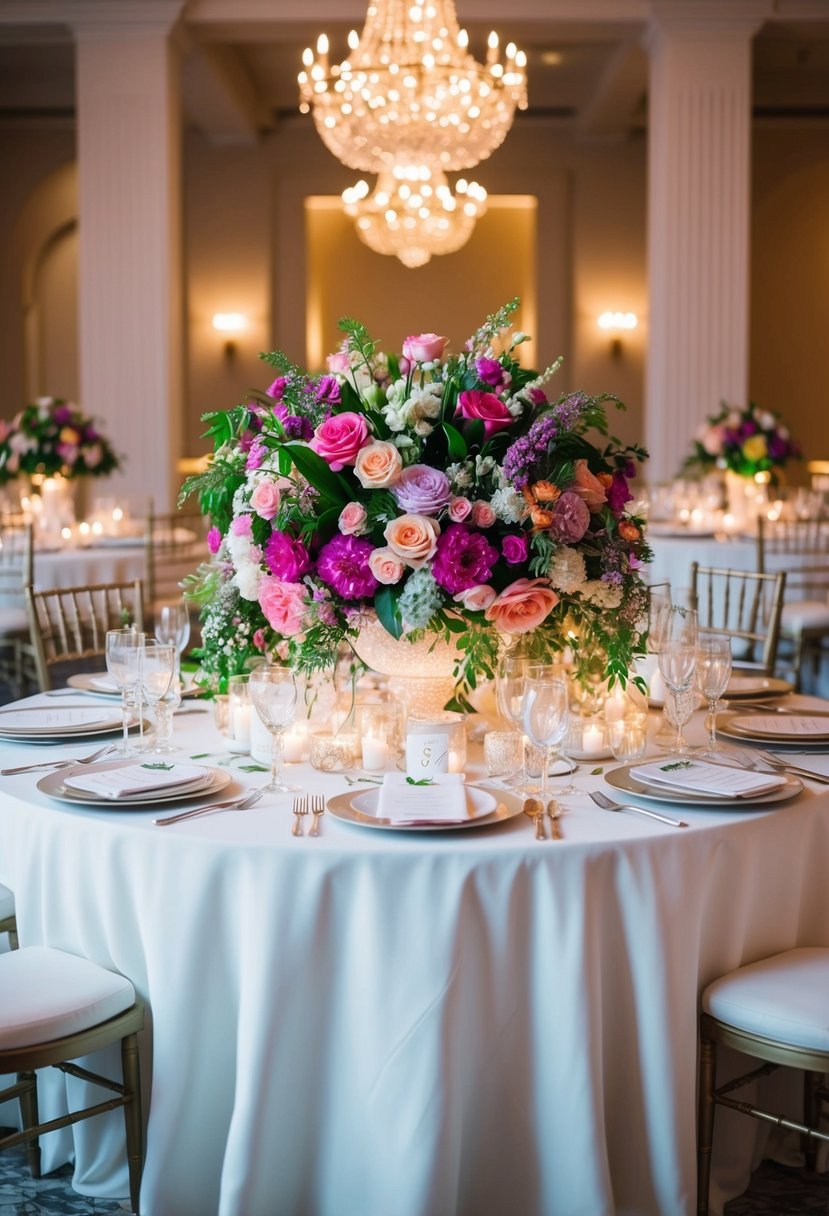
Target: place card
440 798
699 777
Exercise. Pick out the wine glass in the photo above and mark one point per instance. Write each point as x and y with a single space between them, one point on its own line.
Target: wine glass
510 680
677 662
659 605
123 659
172 626
158 667
274 694
165 707
545 715
713 671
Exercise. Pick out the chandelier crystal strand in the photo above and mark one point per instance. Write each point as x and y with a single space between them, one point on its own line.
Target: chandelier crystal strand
413 214
410 92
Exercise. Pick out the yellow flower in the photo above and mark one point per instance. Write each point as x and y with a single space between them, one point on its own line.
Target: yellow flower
69 435
755 447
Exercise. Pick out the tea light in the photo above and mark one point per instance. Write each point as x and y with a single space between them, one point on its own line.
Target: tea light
614 706
240 713
295 743
83 528
592 741
375 753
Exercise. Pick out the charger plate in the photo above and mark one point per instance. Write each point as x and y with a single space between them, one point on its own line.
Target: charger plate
751 687
621 779
736 726
45 721
53 784
342 806
87 681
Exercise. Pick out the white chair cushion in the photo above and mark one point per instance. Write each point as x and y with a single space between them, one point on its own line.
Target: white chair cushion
46 994
6 902
785 998
804 614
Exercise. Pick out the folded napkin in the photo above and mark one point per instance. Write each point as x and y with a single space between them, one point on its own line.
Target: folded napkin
442 800
134 779
698 777
56 717
104 684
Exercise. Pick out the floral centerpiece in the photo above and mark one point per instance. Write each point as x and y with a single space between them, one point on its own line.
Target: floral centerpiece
446 498
52 436
744 441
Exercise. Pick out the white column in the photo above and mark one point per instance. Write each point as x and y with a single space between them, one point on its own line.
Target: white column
129 136
699 106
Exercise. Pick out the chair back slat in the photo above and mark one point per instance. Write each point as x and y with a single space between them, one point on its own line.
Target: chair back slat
69 625
174 544
744 604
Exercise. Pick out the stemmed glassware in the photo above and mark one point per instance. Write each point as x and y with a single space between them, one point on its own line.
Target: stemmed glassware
713 672
545 715
123 660
659 606
273 691
509 694
158 669
677 662
172 625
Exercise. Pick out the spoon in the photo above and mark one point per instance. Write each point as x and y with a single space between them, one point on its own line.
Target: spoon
554 813
534 809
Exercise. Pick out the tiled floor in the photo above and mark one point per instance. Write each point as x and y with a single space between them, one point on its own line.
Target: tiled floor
774 1191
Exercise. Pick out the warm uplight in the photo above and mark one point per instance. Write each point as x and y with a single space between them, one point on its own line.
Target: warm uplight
229 322
618 320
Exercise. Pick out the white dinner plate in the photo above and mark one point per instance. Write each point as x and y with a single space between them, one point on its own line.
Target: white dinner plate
46 721
53 784
745 727
621 779
751 687
361 809
99 684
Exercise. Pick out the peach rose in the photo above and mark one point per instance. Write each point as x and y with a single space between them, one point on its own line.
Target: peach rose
424 348
413 538
459 508
351 520
483 515
265 498
475 599
628 530
523 605
589 489
378 465
386 566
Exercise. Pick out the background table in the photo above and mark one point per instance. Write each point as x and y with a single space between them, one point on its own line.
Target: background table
399 1024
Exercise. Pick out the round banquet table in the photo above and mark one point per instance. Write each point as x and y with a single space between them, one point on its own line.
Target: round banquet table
383 1023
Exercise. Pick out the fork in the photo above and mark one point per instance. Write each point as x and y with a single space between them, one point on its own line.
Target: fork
606 804
300 808
317 809
30 768
233 804
783 766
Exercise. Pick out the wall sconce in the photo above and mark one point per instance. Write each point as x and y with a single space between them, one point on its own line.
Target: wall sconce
229 323
615 322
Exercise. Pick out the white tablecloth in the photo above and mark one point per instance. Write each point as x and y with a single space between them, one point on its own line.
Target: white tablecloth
389 1024
673 555
90 565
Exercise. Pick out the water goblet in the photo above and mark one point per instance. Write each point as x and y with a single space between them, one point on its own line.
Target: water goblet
677 663
545 715
165 707
713 672
158 667
510 680
123 659
274 694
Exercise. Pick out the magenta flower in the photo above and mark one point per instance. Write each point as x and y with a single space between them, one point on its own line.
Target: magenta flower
343 565
242 525
618 493
277 387
256 455
490 372
214 540
286 558
571 518
338 439
464 559
474 403
514 548
422 490
328 390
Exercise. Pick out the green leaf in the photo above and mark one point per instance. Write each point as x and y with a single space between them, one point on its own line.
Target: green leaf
163 767
388 612
252 768
419 781
596 772
456 444
317 472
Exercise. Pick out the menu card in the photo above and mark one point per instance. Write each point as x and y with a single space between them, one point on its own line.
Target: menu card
440 798
782 724
699 777
135 779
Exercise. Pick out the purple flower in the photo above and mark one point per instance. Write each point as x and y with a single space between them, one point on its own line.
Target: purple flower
618 493
464 559
214 540
328 390
286 558
514 548
571 518
277 387
778 448
62 415
490 372
256 455
297 427
422 490
242 525
343 565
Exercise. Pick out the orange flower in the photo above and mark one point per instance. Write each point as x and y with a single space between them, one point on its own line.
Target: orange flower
541 518
545 491
628 531
606 479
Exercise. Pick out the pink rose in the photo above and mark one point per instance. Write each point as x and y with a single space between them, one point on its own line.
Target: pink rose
523 605
93 455
242 525
352 518
459 509
588 487
413 538
386 566
483 515
378 465
475 599
284 605
338 362
474 403
265 498
339 439
424 348
214 540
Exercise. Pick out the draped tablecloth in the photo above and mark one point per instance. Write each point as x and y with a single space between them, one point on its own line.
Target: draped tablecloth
376 1023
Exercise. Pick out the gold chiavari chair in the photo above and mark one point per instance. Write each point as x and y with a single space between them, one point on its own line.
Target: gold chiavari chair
69 625
16 572
174 546
745 605
801 548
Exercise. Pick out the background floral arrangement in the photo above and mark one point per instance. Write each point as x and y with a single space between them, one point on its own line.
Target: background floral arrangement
747 441
53 436
450 495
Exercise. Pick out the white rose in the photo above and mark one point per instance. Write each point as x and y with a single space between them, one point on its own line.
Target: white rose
765 420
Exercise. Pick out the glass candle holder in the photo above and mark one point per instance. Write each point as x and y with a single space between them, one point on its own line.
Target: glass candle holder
586 739
628 737
221 713
240 711
503 752
333 753
436 745
375 727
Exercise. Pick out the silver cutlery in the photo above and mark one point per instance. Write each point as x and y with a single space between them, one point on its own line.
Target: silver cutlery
243 803
606 804
299 809
30 768
317 810
534 809
782 766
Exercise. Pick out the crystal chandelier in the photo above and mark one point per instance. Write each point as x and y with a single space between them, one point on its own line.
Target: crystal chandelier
413 214
410 93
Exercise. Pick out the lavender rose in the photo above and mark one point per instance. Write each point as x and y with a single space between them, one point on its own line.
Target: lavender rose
571 518
422 490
